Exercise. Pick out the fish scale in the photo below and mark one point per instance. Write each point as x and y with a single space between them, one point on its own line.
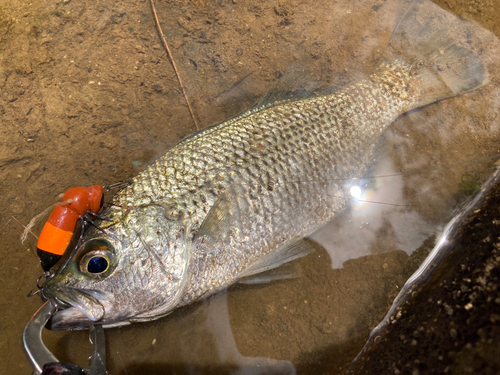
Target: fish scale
297 143
236 199
306 167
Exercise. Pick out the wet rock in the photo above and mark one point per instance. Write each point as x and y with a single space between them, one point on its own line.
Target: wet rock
460 329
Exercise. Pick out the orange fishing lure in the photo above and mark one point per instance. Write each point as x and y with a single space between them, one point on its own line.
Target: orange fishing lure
59 228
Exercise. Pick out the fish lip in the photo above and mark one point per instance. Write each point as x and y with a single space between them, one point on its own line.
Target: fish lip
69 318
76 307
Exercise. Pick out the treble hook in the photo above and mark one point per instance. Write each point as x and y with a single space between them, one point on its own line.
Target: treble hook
47 275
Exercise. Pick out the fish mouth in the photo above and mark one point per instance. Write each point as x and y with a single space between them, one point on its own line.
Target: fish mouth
75 308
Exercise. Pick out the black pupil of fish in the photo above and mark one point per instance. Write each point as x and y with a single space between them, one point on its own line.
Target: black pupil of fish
97 264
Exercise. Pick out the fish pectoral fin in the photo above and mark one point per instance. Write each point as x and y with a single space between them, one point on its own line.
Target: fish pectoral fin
224 216
290 250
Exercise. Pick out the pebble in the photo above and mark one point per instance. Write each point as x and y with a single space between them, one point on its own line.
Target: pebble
453 333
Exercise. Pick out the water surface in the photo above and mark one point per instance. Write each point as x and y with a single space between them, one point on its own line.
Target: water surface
89 96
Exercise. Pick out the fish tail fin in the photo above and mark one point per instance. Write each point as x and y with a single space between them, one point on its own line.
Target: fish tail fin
435 43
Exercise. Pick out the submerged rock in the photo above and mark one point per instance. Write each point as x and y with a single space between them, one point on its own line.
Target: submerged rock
451 325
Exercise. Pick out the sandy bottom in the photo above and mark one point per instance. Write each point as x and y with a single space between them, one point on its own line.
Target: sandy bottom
88 96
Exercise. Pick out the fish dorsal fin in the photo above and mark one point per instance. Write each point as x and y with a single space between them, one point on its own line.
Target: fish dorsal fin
292 249
295 83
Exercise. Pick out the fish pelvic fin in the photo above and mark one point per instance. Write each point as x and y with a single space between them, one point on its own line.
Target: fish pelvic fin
437 46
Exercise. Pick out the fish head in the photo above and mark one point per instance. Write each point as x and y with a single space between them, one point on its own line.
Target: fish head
127 272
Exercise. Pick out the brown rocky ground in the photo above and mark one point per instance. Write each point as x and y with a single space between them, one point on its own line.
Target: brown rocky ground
87 95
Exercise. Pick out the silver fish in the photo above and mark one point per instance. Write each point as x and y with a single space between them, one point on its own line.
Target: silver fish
236 199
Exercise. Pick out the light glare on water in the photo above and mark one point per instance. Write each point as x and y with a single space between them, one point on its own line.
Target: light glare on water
356 192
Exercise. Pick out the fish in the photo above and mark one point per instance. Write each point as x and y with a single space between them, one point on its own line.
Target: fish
237 199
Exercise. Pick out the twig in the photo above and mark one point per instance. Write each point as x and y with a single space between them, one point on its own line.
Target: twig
165 44
25 227
7 223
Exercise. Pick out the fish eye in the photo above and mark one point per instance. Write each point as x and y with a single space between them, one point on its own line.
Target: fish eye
97 264
96 261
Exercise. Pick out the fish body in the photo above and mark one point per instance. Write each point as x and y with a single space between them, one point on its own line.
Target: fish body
236 199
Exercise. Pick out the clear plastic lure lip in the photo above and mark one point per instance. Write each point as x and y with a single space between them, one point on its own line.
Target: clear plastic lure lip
39 355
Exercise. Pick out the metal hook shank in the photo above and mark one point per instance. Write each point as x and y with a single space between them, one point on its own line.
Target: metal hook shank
98 359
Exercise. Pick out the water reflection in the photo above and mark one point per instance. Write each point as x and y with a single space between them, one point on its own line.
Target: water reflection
206 346
218 324
380 220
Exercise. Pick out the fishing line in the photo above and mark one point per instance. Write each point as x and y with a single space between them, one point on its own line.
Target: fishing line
406 173
448 166
33 221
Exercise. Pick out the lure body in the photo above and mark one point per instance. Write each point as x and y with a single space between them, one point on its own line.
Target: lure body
59 228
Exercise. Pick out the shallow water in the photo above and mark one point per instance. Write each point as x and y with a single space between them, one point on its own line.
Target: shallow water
89 96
